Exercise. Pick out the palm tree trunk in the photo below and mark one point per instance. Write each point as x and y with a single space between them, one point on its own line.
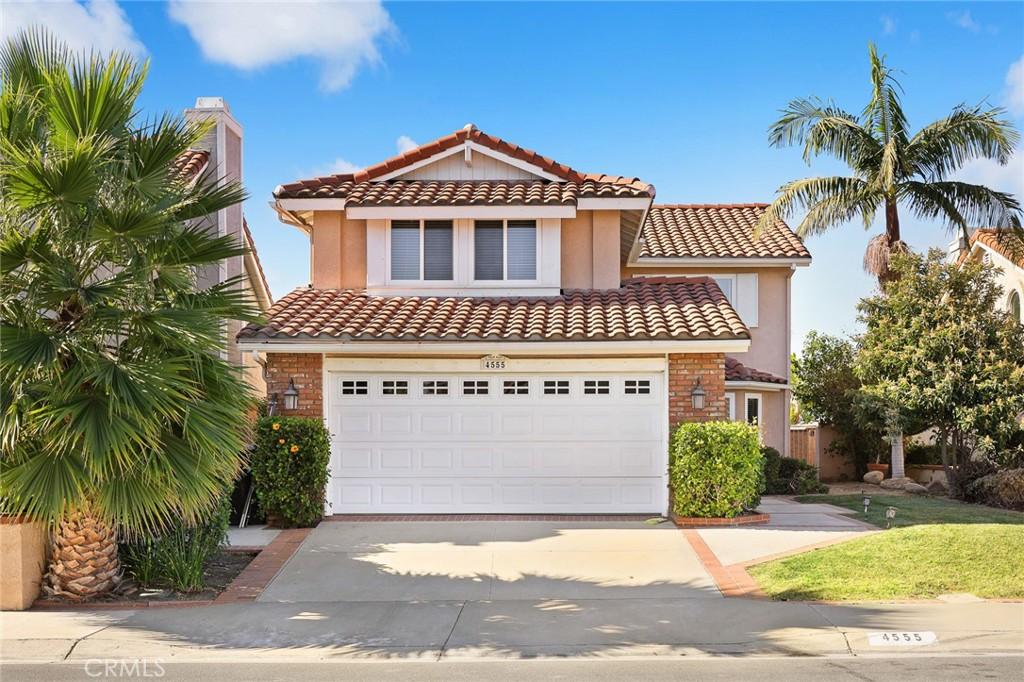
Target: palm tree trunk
84 562
892 221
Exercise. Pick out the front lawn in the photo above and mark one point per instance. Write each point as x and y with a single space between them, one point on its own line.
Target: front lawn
938 547
911 511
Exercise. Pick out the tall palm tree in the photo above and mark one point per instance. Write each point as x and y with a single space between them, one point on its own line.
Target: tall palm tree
118 412
893 169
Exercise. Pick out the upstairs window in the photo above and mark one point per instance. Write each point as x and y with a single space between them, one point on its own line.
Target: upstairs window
422 250
504 250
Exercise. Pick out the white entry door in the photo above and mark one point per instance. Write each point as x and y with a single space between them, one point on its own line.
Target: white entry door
485 443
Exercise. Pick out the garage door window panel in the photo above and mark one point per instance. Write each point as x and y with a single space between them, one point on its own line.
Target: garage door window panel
475 387
435 387
516 387
637 387
556 387
395 387
355 387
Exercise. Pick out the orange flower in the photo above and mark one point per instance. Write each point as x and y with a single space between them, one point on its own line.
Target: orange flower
280 441
276 427
294 448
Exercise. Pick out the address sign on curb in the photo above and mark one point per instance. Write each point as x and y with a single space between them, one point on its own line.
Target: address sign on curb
902 638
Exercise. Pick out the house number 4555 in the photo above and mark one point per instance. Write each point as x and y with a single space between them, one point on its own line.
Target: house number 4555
494 362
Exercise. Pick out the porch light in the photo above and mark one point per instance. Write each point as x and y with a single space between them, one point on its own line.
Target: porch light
867 503
697 395
291 396
272 405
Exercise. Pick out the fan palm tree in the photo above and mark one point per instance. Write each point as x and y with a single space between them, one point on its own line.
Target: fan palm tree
892 169
118 411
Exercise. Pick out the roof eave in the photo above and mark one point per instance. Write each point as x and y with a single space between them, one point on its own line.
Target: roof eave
636 347
742 261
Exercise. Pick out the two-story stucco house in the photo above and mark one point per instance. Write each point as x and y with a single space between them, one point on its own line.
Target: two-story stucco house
488 330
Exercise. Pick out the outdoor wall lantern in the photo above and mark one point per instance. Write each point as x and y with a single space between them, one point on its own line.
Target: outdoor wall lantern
697 395
867 503
272 405
291 396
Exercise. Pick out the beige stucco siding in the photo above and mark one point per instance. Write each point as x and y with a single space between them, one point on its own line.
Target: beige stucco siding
1010 279
577 251
338 251
606 249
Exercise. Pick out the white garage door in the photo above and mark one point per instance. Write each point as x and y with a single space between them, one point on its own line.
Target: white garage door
486 443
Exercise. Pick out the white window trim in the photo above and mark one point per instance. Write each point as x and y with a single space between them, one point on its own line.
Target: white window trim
730 405
421 280
537 260
760 409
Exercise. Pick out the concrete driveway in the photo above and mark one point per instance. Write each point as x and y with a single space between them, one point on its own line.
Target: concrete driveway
491 561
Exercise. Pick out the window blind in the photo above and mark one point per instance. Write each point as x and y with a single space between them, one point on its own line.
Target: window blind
522 249
405 249
437 250
488 256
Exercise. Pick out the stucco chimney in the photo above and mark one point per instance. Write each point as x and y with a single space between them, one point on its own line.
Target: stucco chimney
224 144
956 247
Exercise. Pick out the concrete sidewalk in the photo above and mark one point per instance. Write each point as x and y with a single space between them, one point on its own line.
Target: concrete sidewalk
506 629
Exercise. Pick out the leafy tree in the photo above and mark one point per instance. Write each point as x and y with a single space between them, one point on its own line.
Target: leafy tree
828 390
118 411
893 168
936 349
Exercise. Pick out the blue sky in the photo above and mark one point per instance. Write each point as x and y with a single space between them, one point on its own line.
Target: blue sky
678 94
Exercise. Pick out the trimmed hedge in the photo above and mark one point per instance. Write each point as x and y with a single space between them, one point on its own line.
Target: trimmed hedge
289 468
715 469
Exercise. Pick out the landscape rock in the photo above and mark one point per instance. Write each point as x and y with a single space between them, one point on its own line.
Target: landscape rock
915 488
897 483
937 487
874 477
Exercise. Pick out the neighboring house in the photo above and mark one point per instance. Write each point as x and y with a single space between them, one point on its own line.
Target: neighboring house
218 158
993 248
488 330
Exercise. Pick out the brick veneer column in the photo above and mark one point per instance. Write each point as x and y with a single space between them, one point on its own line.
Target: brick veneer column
683 370
307 371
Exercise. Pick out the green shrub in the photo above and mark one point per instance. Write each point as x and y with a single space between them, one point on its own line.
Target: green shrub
1000 489
175 557
715 469
920 453
289 468
772 463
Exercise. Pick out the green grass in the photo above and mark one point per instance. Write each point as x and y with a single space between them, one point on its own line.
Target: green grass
913 511
936 547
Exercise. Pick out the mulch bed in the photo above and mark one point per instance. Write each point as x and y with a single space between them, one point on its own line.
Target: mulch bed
220 570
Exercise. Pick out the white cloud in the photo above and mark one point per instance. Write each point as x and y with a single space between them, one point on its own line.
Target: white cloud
964 20
340 36
343 166
405 143
888 24
1015 87
99 25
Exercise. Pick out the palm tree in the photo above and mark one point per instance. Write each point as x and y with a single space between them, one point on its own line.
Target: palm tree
890 169
118 411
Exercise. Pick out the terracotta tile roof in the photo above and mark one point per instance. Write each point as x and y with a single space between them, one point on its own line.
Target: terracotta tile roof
641 310
737 371
455 193
191 163
1000 241
715 231
309 188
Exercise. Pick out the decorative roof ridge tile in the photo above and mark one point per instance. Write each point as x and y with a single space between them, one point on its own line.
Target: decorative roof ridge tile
706 206
737 371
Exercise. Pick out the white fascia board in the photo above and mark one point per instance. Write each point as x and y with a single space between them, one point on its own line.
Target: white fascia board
571 348
651 363
453 212
737 262
324 204
756 385
405 170
611 203
512 161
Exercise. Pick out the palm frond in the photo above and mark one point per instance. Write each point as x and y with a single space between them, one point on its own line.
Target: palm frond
825 198
943 147
962 204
